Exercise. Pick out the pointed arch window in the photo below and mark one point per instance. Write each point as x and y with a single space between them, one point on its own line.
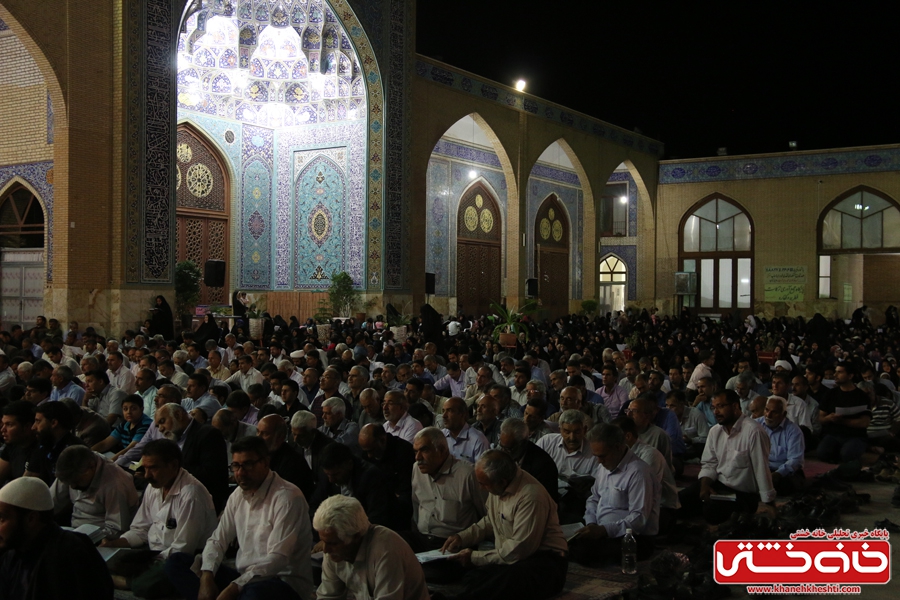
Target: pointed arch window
613 283
21 219
717 244
861 219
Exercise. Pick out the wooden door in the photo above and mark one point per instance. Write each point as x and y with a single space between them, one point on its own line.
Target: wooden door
479 264
203 193
553 281
552 258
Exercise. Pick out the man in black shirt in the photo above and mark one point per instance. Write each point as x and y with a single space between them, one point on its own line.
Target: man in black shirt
844 415
40 561
15 429
284 460
53 423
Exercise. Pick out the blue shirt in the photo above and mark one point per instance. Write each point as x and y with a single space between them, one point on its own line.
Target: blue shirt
469 445
627 497
706 409
207 402
199 363
125 434
787 447
668 422
457 386
72 390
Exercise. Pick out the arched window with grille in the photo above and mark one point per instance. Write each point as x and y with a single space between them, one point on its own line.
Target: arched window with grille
613 284
716 242
22 270
21 219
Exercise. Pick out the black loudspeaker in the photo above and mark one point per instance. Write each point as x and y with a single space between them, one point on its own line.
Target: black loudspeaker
429 283
531 290
214 273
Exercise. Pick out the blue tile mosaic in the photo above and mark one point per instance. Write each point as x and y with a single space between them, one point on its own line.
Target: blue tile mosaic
798 164
347 213
257 189
445 75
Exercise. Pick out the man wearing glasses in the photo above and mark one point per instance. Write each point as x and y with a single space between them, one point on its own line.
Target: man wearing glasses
269 518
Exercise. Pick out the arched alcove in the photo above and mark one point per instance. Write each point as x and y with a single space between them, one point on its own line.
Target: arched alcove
465 158
716 242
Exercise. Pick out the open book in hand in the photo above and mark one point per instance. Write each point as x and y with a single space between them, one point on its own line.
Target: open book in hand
570 530
92 531
433 555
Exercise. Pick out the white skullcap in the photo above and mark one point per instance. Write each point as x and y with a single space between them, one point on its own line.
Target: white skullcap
297 354
784 365
30 493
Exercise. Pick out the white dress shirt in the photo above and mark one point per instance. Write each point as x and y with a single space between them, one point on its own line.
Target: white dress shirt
739 459
384 568
274 535
109 501
406 428
122 379
627 497
188 508
580 463
246 380
661 470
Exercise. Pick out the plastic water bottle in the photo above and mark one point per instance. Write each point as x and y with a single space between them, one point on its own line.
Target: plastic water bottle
629 553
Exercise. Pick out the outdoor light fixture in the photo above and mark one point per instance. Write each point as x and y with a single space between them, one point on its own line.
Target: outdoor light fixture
473 174
623 200
520 85
792 145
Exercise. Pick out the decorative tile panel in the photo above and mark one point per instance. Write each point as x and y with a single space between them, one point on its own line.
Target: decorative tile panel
794 164
320 234
296 149
257 188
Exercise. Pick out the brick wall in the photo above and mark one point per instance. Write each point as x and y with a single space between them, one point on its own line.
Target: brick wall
23 111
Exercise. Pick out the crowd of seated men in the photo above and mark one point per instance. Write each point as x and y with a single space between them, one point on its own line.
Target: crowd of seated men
366 449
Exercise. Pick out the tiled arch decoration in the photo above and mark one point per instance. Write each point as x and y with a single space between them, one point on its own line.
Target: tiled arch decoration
151 34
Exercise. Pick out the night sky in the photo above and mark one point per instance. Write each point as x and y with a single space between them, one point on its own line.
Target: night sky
697 76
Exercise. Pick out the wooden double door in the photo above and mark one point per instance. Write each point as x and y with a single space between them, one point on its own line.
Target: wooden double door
551 262
479 264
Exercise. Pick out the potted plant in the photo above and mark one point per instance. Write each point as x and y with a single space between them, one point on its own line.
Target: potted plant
398 324
344 298
256 325
187 290
589 307
508 323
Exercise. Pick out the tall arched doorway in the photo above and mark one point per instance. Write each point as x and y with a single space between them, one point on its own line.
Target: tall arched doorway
551 257
478 255
203 192
21 256
613 284
717 244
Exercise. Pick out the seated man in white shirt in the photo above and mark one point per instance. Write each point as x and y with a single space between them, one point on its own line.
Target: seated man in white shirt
176 515
98 492
398 421
364 560
269 518
625 496
735 475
